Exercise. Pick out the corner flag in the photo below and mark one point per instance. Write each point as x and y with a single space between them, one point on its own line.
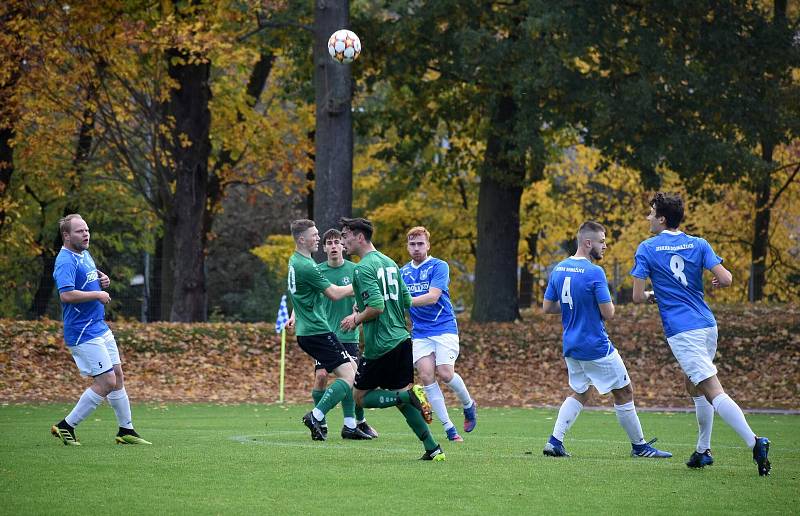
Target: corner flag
283 315
280 327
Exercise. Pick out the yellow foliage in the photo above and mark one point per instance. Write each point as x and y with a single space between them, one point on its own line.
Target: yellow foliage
275 252
446 209
577 188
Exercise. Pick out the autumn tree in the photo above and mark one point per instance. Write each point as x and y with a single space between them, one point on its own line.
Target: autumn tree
489 73
143 135
709 91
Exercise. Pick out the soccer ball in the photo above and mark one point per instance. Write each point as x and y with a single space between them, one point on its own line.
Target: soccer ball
344 46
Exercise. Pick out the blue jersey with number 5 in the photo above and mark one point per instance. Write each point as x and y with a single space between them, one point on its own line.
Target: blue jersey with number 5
581 287
674 262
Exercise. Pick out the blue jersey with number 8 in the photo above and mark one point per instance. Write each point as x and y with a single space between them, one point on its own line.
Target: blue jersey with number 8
674 262
581 287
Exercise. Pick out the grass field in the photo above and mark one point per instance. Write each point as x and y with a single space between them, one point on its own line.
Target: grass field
260 459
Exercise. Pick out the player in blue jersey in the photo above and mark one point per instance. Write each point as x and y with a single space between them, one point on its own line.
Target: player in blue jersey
674 262
434 330
88 337
578 290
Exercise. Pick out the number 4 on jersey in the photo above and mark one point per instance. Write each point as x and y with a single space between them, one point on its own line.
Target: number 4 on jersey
566 295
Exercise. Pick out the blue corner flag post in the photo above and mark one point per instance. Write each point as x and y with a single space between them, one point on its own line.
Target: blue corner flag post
280 327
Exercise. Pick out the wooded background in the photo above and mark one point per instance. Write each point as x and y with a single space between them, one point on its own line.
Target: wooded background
188 134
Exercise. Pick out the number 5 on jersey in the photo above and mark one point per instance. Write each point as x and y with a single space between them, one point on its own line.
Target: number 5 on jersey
566 295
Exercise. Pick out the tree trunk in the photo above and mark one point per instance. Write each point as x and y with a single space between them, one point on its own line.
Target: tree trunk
6 165
167 264
333 137
498 222
9 111
760 246
188 105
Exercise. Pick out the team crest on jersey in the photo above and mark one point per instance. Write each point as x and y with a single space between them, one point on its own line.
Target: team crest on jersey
423 274
346 280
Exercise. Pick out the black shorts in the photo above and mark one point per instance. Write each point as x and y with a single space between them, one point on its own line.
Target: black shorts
325 349
350 347
393 370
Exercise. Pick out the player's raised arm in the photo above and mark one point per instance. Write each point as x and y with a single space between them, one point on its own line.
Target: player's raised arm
81 296
722 276
432 297
337 292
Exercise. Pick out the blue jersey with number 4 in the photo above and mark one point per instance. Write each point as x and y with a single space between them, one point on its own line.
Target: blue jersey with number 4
581 287
438 318
82 321
674 262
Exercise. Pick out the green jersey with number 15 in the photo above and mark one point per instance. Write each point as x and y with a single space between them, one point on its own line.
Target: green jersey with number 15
377 283
306 284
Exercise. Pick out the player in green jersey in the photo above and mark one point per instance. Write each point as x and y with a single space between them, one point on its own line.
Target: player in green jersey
314 336
338 271
385 370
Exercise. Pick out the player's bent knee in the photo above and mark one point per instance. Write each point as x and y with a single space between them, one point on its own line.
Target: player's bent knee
105 382
623 395
445 374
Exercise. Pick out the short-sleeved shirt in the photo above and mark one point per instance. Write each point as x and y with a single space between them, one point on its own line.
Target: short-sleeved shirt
581 287
674 262
438 318
338 310
306 286
82 321
377 283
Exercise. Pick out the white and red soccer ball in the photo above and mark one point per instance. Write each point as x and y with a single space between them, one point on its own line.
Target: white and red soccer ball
344 46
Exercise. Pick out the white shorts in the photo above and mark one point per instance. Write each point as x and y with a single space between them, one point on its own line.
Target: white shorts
606 374
96 356
445 347
695 350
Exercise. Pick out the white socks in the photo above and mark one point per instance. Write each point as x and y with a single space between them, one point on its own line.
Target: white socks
122 407
629 420
567 415
87 404
436 399
350 422
730 412
457 385
705 422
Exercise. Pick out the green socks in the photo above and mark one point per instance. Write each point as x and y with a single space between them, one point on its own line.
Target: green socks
379 398
336 392
347 403
418 425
